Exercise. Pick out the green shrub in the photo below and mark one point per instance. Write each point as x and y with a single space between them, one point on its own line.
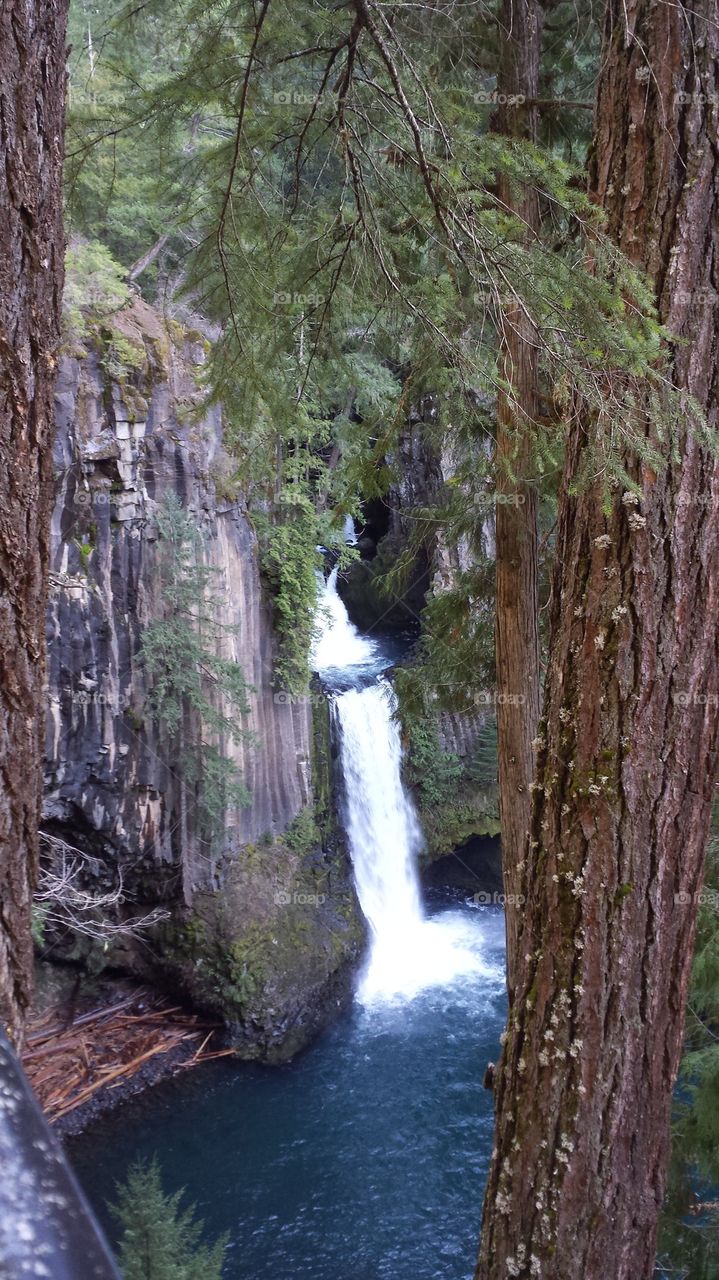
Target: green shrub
121 356
434 772
289 561
303 833
95 288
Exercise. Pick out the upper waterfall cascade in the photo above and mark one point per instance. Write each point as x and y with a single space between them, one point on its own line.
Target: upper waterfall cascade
337 643
408 952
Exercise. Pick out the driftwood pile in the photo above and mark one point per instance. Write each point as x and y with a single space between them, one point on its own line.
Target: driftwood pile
68 1062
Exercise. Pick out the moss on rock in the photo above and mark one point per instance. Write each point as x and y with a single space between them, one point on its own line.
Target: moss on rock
454 789
274 951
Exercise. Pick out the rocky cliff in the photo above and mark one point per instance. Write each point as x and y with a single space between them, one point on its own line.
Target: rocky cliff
264 926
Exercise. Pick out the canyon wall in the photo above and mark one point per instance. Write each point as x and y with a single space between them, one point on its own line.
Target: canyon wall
114 790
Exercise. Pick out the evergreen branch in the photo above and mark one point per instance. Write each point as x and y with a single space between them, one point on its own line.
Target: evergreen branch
235 161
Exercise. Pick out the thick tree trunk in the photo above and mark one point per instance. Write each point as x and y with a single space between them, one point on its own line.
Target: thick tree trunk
621 805
516 641
32 88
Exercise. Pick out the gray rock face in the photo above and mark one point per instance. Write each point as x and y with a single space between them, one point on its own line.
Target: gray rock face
112 787
106 769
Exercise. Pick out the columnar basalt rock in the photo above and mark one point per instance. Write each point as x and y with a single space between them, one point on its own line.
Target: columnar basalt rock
112 785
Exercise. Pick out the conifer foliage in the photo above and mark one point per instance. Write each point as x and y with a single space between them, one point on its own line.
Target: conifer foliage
197 688
159 1239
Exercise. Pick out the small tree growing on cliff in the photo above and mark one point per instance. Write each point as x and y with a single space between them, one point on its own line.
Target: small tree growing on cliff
161 1241
199 694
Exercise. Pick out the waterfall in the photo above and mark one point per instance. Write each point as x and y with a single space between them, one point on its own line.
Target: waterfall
380 815
337 643
408 952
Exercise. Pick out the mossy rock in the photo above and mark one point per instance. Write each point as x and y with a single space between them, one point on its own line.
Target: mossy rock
472 812
274 952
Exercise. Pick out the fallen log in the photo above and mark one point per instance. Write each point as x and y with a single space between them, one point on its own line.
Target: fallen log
68 1063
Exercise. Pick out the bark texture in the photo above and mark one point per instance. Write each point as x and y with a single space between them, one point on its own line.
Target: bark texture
32 87
516 640
625 775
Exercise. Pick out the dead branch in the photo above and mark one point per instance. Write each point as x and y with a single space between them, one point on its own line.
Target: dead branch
63 901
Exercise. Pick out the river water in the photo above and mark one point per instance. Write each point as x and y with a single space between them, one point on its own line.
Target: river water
365 1158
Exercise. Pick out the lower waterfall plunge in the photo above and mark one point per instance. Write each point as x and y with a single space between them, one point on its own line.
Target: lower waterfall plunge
408 952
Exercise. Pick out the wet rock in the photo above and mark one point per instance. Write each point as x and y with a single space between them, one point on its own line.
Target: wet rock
474 868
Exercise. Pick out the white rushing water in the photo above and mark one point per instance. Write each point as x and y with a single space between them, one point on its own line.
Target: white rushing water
408 952
337 644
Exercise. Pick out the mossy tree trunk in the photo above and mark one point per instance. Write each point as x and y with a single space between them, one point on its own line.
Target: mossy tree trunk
517 638
621 809
32 90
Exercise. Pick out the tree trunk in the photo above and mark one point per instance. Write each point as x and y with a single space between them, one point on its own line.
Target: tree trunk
516 638
621 805
32 90
148 258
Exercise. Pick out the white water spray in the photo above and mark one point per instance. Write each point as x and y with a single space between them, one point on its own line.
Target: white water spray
337 643
408 952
